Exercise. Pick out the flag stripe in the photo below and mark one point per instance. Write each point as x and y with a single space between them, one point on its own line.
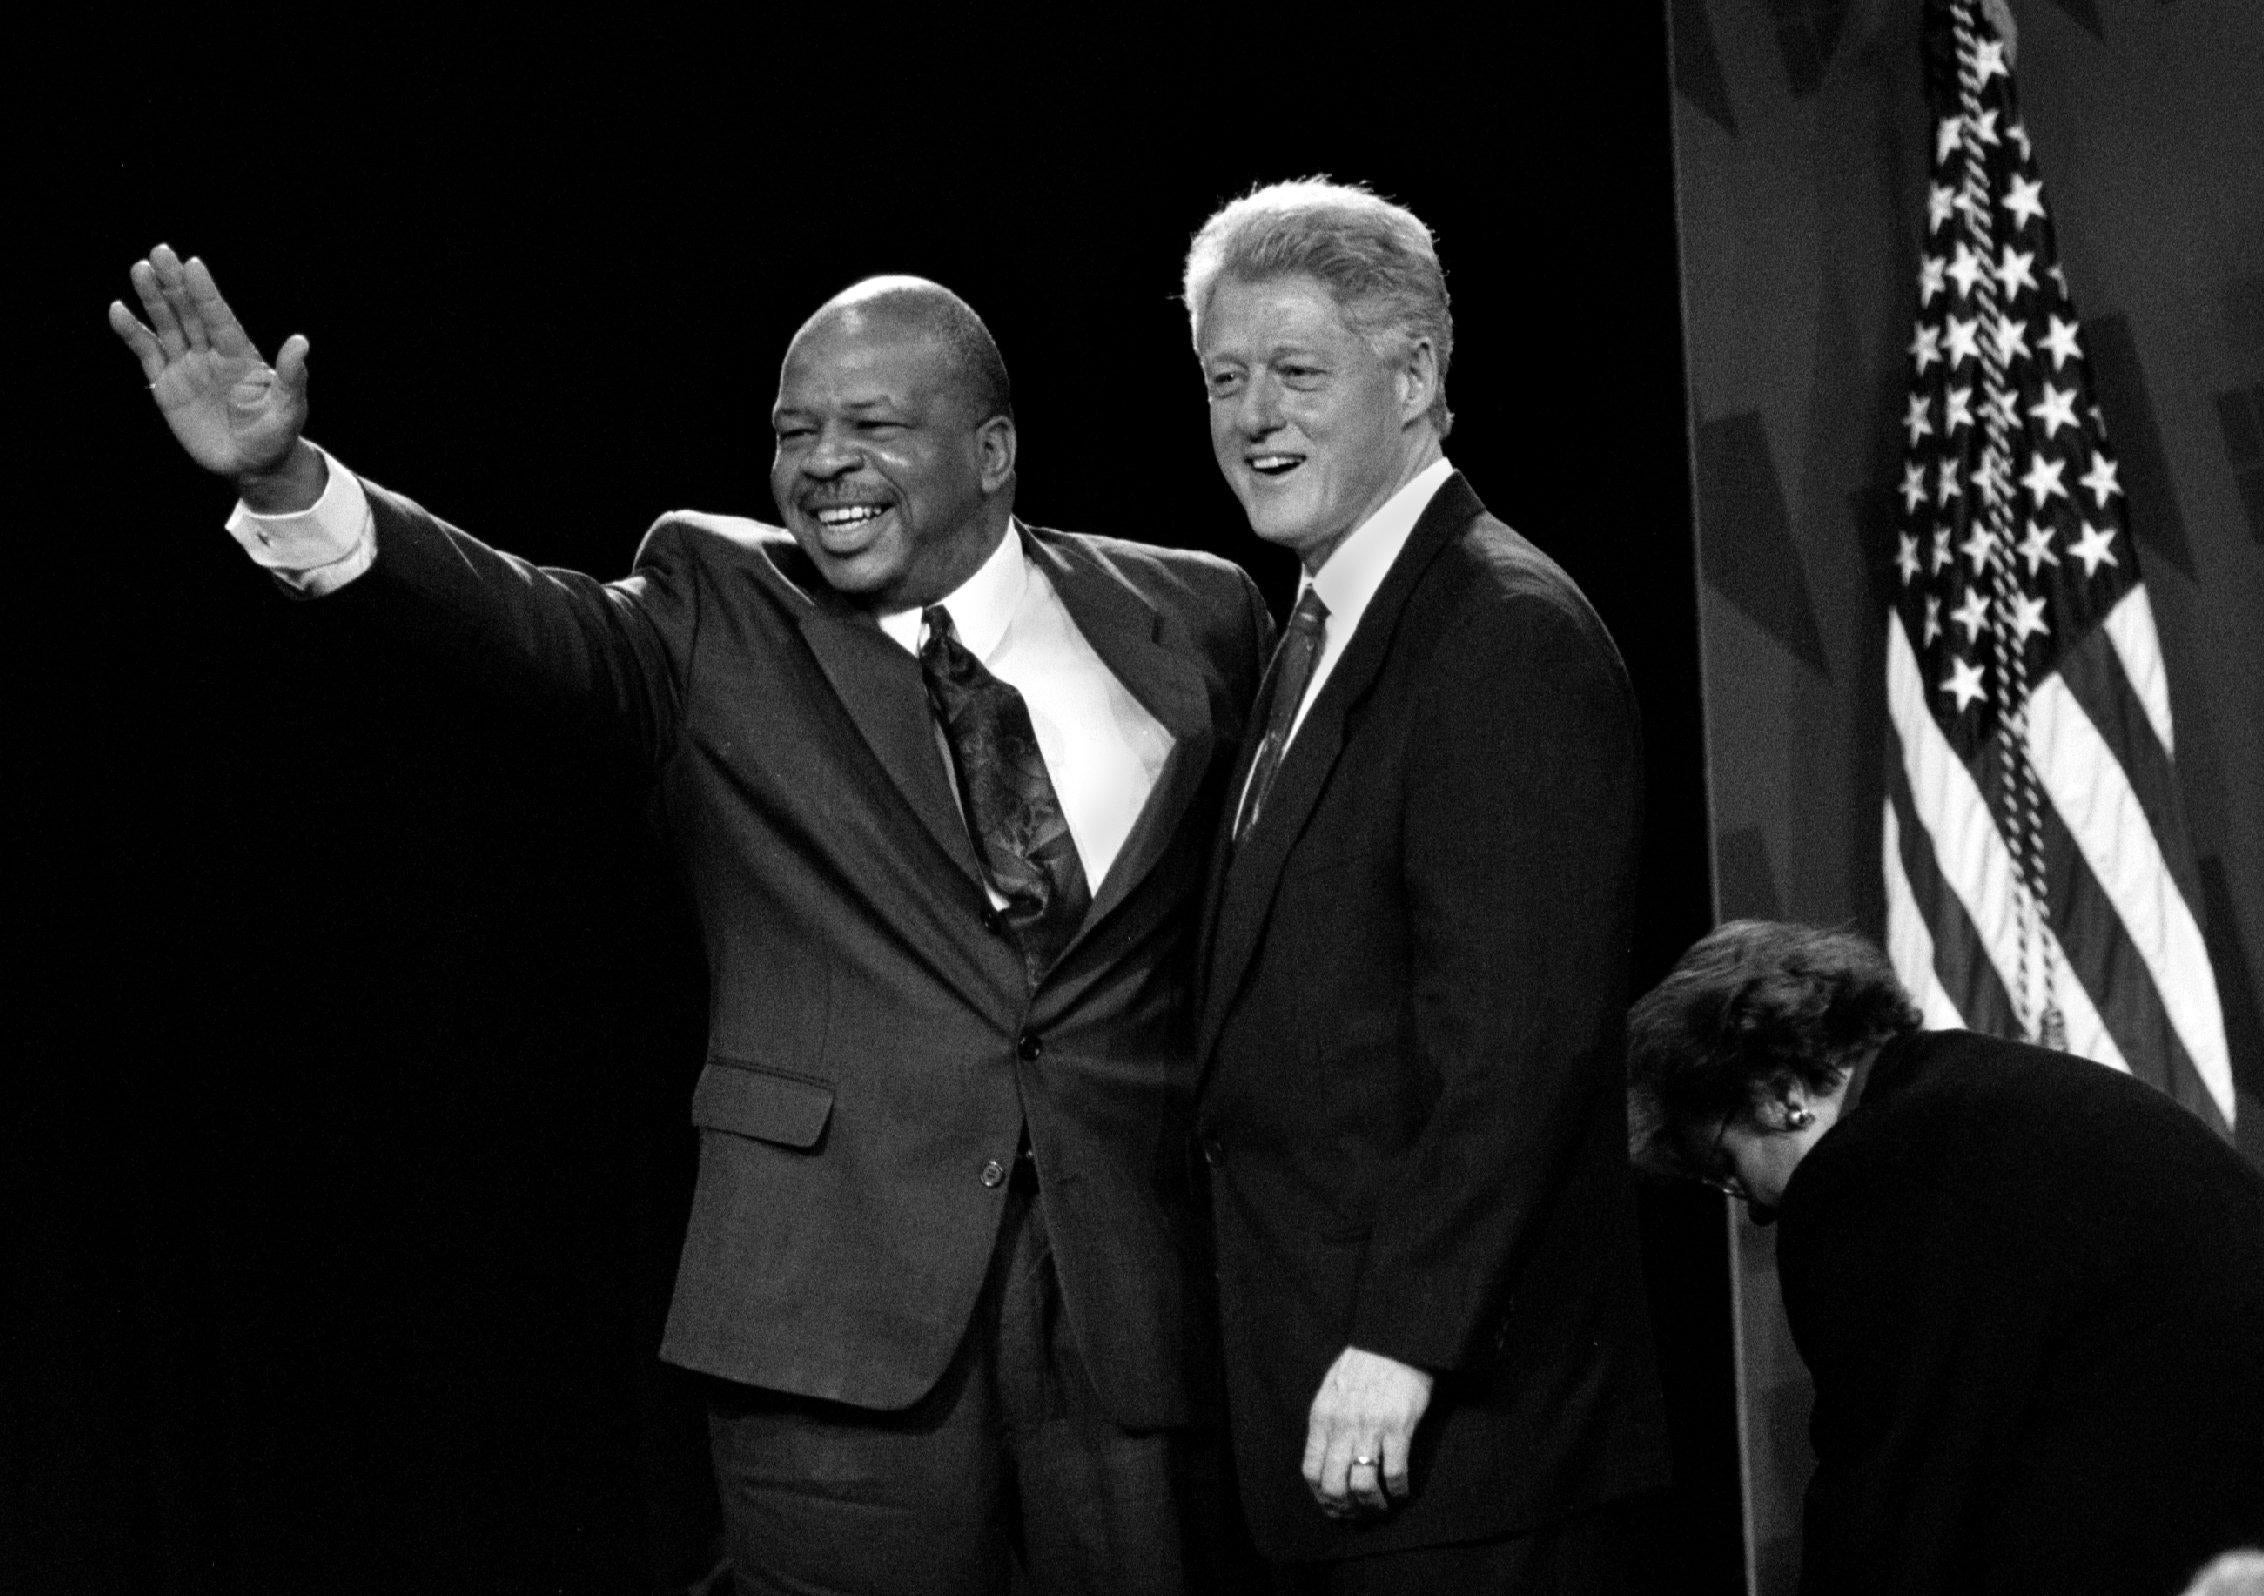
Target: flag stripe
2106 964
2093 671
2131 625
1961 959
2101 813
1973 858
1910 945
2102 956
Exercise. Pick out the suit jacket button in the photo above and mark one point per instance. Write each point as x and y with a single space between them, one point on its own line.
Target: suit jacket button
994 1174
1029 1047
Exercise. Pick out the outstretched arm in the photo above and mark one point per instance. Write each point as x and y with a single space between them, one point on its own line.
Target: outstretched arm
618 646
236 415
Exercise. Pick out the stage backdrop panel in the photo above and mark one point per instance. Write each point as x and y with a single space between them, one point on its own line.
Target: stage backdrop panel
1802 138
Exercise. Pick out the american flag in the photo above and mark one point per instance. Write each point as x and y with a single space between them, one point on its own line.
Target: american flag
2039 879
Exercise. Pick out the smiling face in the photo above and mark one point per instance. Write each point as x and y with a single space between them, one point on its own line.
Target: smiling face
1313 429
886 473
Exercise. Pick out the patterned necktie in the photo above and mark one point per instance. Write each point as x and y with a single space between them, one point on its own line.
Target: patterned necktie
1008 799
1290 672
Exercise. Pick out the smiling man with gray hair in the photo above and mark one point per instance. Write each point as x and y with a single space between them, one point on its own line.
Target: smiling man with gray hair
1414 963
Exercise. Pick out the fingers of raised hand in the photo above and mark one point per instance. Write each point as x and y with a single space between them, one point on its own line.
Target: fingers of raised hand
139 339
173 283
219 324
163 323
291 367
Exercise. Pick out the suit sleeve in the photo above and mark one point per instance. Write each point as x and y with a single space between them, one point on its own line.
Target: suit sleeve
1521 816
619 651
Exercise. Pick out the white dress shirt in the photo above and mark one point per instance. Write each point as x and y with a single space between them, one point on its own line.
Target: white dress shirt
1102 749
1348 578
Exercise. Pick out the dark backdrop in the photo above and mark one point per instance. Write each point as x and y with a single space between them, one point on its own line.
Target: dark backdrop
343 1184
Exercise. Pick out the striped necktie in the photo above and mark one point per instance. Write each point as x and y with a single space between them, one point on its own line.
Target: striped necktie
1292 669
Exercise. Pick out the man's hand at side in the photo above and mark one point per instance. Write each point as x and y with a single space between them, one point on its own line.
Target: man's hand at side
1367 1408
236 415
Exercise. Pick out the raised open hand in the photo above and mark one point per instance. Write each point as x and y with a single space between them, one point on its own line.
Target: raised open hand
235 414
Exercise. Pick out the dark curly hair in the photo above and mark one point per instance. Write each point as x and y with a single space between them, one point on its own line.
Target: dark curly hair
1751 1003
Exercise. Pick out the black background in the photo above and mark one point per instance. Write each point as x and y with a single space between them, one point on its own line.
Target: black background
346 1166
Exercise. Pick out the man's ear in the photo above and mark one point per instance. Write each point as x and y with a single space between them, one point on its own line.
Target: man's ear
994 442
1418 380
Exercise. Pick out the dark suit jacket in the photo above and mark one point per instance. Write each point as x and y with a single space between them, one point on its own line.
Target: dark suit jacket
1414 1103
875 1044
2031 1292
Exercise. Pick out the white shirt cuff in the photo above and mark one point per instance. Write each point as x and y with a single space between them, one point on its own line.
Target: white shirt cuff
318 550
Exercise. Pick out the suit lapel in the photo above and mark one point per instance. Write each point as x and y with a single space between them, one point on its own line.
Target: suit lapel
1144 649
880 685
1244 881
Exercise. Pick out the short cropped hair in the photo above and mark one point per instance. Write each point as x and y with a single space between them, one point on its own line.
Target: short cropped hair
1752 1003
1377 261
933 311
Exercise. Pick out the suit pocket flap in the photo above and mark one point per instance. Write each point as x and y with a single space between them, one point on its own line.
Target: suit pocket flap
749 1100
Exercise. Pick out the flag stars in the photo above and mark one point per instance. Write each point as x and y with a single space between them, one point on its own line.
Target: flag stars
1989 60
2010 335
1979 544
2018 133
2024 197
1906 556
2025 615
1917 420
2004 408
2043 478
1913 485
1933 623
2036 547
1957 410
1964 342
1946 484
2100 479
1930 272
1989 476
1939 203
1984 127
1963 682
2013 272
2095 548
1941 555
2060 342
2058 274
1972 614
2056 409
1926 346
1965 270
1946 136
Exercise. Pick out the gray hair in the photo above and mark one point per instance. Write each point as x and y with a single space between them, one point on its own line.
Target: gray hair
1376 260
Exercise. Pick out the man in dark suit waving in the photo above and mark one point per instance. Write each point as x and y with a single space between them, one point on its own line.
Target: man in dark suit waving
1437 1355
941 784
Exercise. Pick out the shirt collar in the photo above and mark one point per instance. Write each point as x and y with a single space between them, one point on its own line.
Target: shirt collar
1349 577
981 607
